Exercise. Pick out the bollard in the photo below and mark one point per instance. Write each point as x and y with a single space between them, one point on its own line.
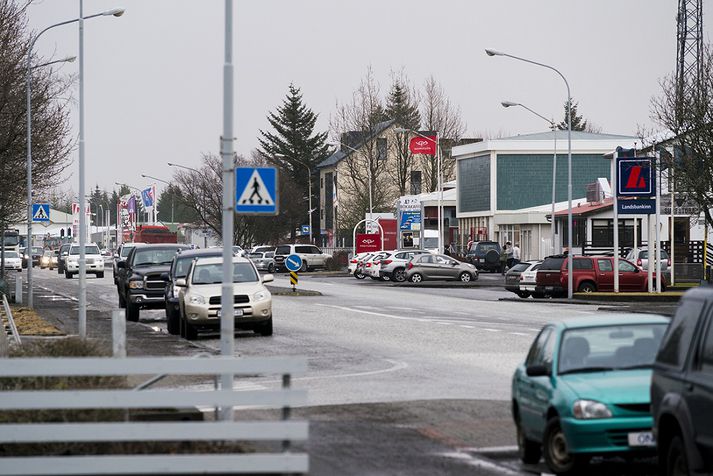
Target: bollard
18 290
118 332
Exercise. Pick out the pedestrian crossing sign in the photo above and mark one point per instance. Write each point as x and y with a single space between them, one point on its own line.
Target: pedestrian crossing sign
256 191
41 212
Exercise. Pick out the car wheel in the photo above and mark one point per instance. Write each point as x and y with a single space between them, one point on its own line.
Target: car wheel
523 294
191 331
68 275
359 275
265 329
465 277
270 268
529 451
416 278
676 460
172 322
557 455
587 287
132 312
59 270
399 275
304 267
100 274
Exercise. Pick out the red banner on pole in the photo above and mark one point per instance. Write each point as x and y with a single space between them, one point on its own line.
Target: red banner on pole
423 145
366 242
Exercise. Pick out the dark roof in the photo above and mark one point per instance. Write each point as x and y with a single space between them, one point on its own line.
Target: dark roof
355 139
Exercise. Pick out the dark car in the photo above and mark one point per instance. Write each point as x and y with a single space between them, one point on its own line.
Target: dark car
63 253
512 278
37 252
179 269
682 388
142 277
120 255
485 255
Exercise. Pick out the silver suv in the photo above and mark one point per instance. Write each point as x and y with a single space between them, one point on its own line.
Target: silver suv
394 265
312 257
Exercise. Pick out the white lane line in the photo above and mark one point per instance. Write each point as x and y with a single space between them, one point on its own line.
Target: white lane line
461 313
467 327
518 333
482 463
490 449
395 367
402 308
443 323
490 330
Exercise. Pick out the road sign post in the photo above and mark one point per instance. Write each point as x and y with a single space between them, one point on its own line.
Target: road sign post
294 279
293 263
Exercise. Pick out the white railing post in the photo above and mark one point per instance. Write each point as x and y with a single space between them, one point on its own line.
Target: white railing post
118 332
18 290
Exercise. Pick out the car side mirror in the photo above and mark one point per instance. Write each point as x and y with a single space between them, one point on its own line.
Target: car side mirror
537 371
116 256
65 253
181 282
121 264
453 263
637 270
164 276
268 278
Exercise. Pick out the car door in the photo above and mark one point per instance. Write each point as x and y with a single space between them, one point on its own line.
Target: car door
535 392
442 268
605 274
630 278
698 391
426 265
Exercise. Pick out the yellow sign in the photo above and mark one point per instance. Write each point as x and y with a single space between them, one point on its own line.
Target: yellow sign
293 278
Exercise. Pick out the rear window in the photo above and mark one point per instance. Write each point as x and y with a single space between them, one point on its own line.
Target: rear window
552 264
88 250
484 247
583 263
519 268
283 250
645 254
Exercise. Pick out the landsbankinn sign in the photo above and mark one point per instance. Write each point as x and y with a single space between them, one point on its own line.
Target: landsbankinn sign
636 177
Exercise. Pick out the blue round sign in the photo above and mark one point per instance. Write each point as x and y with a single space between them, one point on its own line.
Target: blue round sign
293 263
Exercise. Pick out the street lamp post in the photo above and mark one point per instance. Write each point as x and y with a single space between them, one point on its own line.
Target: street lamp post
570 262
553 126
115 12
162 181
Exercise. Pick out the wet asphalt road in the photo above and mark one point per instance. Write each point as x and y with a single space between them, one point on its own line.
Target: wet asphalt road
400 381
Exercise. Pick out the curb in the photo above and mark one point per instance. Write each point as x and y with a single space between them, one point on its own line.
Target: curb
282 291
446 285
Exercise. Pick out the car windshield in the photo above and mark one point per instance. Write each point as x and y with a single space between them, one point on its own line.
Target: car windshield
154 257
11 254
36 250
11 240
255 255
619 347
88 250
213 273
282 250
125 251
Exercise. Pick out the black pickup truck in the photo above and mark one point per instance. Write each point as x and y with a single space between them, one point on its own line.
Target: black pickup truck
141 281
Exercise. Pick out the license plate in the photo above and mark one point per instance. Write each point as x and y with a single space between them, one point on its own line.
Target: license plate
90 260
549 288
643 438
236 312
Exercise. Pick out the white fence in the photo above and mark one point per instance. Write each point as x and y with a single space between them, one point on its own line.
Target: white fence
221 463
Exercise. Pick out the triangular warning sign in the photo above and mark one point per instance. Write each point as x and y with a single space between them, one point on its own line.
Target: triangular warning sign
255 192
40 214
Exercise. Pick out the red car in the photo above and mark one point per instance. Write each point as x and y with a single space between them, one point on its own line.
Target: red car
591 273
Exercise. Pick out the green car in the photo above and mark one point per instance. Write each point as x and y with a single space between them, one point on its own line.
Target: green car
584 390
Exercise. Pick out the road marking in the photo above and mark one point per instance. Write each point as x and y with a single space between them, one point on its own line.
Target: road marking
461 313
490 330
491 449
482 463
443 323
467 327
518 333
402 308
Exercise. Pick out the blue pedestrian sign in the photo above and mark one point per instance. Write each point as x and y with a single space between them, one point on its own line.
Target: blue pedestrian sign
305 229
41 212
293 263
256 191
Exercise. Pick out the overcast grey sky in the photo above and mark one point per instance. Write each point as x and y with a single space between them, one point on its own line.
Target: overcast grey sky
153 78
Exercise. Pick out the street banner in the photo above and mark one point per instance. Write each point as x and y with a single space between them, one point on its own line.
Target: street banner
366 242
636 177
391 238
423 145
148 196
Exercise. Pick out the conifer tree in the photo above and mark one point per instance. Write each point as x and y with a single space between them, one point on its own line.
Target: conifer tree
402 106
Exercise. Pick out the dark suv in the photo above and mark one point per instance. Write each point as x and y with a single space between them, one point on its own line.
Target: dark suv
141 281
682 388
63 253
485 255
179 269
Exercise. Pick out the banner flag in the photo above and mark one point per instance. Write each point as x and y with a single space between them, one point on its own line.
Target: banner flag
423 145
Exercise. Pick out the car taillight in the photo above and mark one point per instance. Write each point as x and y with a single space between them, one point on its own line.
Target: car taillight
410 265
522 277
353 261
368 265
668 261
387 261
638 262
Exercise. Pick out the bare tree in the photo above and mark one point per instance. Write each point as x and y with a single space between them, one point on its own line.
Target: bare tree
689 119
438 114
402 105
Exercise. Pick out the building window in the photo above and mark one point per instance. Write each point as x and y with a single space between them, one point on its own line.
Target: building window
415 182
381 148
579 228
321 182
603 233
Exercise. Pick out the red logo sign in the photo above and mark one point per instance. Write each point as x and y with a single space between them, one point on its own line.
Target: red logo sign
422 145
366 242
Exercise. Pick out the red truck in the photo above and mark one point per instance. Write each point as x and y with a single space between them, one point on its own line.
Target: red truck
154 234
591 273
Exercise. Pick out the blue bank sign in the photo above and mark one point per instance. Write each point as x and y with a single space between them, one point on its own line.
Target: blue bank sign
636 207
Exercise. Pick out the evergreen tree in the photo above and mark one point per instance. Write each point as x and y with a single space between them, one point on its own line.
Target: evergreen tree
403 108
578 122
294 146
172 204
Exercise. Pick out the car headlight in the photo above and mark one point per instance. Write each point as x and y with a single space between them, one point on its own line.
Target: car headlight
196 299
261 295
176 290
136 284
590 409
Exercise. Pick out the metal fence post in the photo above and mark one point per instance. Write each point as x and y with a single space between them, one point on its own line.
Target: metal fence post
18 290
286 380
118 332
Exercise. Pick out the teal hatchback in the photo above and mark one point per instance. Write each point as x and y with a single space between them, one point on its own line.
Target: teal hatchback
584 390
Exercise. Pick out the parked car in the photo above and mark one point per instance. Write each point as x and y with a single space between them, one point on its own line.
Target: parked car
591 273
61 259
583 390
394 265
54 259
264 260
641 258
682 388
37 252
485 255
179 266
432 266
372 265
237 251
142 277
312 257
200 297
528 280
512 278
262 249
121 254
353 264
93 261
46 259
13 260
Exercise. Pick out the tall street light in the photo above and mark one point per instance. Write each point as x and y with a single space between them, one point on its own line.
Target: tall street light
570 262
440 180
162 181
28 86
553 126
